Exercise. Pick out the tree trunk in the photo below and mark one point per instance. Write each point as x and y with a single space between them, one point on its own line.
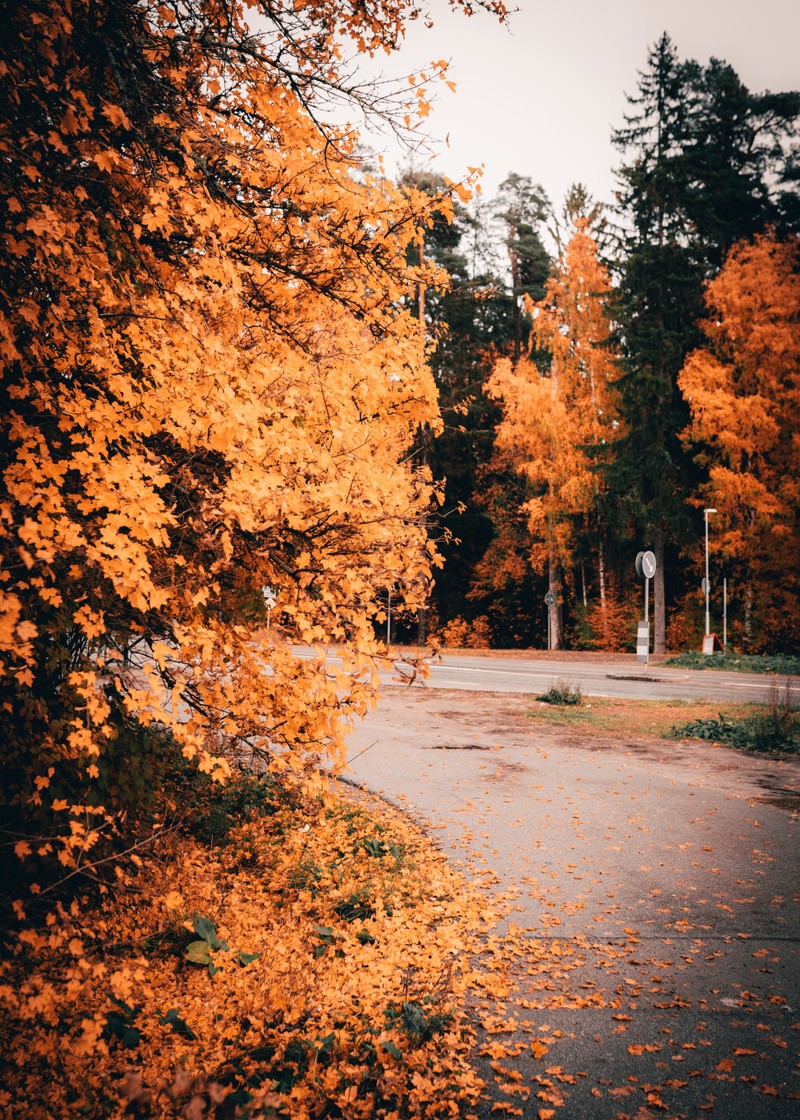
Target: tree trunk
514 259
601 583
748 610
583 586
422 626
554 609
659 601
424 440
421 293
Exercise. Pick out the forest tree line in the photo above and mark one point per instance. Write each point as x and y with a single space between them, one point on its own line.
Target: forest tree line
606 373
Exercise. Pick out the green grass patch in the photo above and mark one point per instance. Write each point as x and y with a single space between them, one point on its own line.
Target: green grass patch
780 664
609 716
566 717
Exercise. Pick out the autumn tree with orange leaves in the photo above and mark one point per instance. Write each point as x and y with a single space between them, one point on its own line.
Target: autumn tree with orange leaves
211 380
743 389
557 419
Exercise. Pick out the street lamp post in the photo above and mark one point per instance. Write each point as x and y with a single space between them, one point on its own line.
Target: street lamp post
707 584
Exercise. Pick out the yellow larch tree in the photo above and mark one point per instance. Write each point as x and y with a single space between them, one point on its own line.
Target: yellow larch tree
743 389
558 411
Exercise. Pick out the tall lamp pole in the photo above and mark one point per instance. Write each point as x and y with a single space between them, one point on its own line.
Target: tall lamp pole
706 512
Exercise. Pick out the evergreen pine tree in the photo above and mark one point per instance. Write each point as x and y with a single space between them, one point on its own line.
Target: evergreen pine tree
705 163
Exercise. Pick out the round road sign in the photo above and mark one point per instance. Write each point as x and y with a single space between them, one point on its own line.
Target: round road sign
649 564
550 598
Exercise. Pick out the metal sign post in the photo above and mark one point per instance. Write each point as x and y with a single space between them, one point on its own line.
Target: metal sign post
707 583
270 599
550 602
647 601
645 569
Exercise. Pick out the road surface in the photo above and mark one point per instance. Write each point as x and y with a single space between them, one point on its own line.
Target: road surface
620 676
656 887
615 678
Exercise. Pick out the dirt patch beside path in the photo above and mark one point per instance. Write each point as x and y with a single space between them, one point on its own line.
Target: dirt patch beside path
634 727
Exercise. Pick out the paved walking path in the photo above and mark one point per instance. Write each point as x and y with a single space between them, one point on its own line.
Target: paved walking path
657 885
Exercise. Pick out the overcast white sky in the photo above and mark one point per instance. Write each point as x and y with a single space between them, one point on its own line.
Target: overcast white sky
541 96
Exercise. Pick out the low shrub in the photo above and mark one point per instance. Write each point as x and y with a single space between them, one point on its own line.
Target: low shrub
209 810
775 729
562 693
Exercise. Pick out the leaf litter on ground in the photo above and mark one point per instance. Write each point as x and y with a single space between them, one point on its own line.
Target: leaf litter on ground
319 961
342 967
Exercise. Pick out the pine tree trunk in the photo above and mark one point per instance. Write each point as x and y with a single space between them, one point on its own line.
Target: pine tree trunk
659 601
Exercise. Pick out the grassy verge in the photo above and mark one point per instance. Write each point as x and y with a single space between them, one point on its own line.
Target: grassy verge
780 664
634 718
309 961
772 728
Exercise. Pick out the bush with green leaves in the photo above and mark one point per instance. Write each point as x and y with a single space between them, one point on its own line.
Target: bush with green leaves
562 693
775 729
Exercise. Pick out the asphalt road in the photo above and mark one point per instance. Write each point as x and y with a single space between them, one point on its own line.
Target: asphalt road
621 676
617 677
655 885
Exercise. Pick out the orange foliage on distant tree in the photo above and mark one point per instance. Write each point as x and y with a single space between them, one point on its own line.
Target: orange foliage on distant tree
556 418
743 389
211 380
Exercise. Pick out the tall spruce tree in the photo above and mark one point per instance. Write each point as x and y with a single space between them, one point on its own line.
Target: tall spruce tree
741 155
705 162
